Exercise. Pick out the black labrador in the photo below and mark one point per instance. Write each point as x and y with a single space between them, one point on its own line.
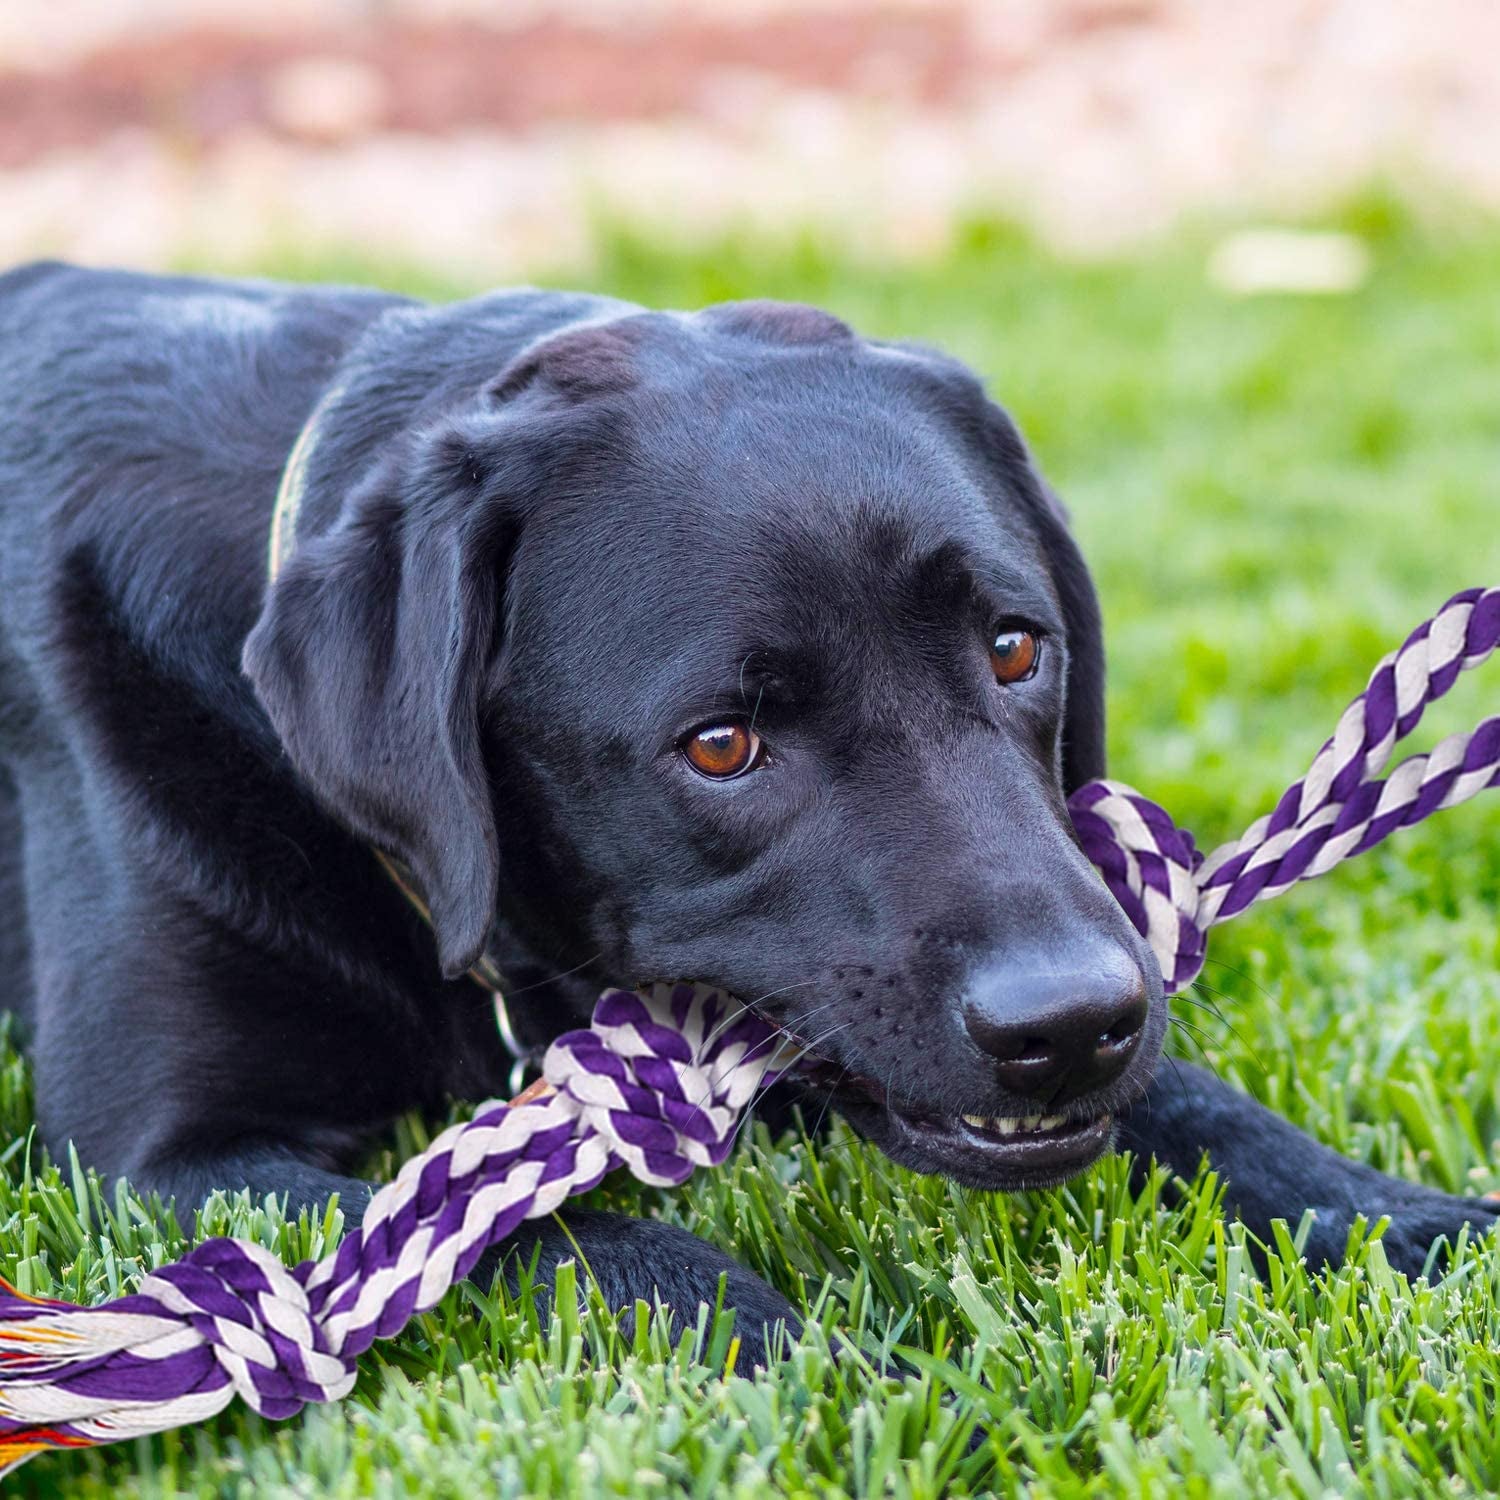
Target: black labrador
728 645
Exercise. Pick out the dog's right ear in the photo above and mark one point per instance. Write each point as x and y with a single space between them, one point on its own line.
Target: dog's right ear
368 658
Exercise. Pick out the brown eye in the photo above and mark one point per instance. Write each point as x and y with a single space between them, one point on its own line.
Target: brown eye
722 750
1013 655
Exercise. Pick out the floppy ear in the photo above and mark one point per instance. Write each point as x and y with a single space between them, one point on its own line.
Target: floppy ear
368 657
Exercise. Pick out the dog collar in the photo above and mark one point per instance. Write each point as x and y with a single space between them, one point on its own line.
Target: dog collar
485 972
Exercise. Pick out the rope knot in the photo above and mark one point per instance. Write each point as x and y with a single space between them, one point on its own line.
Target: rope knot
663 1075
253 1313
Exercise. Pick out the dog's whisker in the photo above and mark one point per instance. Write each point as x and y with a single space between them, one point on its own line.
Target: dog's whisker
782 1030
1207 1009
816 1042
1254 983
753 1007
828 1100
1188 998
553 978
1208 989
778 1031
890 1083
1189 1030
749 657
755 712
765 1088
1233 1030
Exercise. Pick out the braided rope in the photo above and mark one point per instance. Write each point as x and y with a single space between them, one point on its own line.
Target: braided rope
1341 807
658 1083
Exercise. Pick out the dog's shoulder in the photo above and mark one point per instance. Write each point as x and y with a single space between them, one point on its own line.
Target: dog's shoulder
99 346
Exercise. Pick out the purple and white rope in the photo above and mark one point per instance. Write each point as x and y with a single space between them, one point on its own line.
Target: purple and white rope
658 1084
1174 894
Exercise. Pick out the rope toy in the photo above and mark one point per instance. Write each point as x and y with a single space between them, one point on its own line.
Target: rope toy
1173 894
658 1083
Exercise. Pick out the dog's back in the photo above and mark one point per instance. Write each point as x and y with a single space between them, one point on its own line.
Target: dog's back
150 822
145 423
143 417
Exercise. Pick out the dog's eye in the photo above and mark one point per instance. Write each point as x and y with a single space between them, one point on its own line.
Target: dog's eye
722 750
1014 655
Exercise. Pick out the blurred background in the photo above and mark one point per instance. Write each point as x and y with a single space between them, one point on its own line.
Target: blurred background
497 136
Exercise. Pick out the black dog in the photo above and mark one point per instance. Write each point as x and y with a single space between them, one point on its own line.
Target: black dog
726 646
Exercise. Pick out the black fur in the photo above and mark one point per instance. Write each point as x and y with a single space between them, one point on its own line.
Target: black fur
544 537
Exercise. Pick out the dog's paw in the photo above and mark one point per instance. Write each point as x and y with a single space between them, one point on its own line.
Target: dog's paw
657 1262
1434 1221
765 1323
1424 1226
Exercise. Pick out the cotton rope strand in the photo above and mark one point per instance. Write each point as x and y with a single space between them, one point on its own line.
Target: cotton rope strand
657 1084
1174 895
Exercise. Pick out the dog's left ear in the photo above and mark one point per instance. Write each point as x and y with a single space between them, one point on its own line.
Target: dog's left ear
368 658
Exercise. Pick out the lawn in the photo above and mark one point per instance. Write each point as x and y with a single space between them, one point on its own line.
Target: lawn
1272 492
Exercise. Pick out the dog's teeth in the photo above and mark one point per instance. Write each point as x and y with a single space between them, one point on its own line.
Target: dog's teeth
1013 1124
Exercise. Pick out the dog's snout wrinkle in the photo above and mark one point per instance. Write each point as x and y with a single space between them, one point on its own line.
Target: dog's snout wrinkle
1057 1031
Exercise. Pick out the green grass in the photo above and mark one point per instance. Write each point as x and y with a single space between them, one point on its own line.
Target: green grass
1271 492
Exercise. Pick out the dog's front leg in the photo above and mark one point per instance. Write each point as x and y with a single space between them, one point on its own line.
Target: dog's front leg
1275 1171
643 1260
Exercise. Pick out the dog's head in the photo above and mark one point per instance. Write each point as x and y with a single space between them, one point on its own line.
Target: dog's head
734 647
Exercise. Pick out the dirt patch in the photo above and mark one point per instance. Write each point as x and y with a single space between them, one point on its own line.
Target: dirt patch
201 85
425 129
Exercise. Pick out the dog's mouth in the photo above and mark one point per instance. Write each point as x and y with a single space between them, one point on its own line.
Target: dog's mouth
1003 1153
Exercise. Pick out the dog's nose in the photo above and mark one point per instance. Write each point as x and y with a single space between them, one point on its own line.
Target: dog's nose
1058 1032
